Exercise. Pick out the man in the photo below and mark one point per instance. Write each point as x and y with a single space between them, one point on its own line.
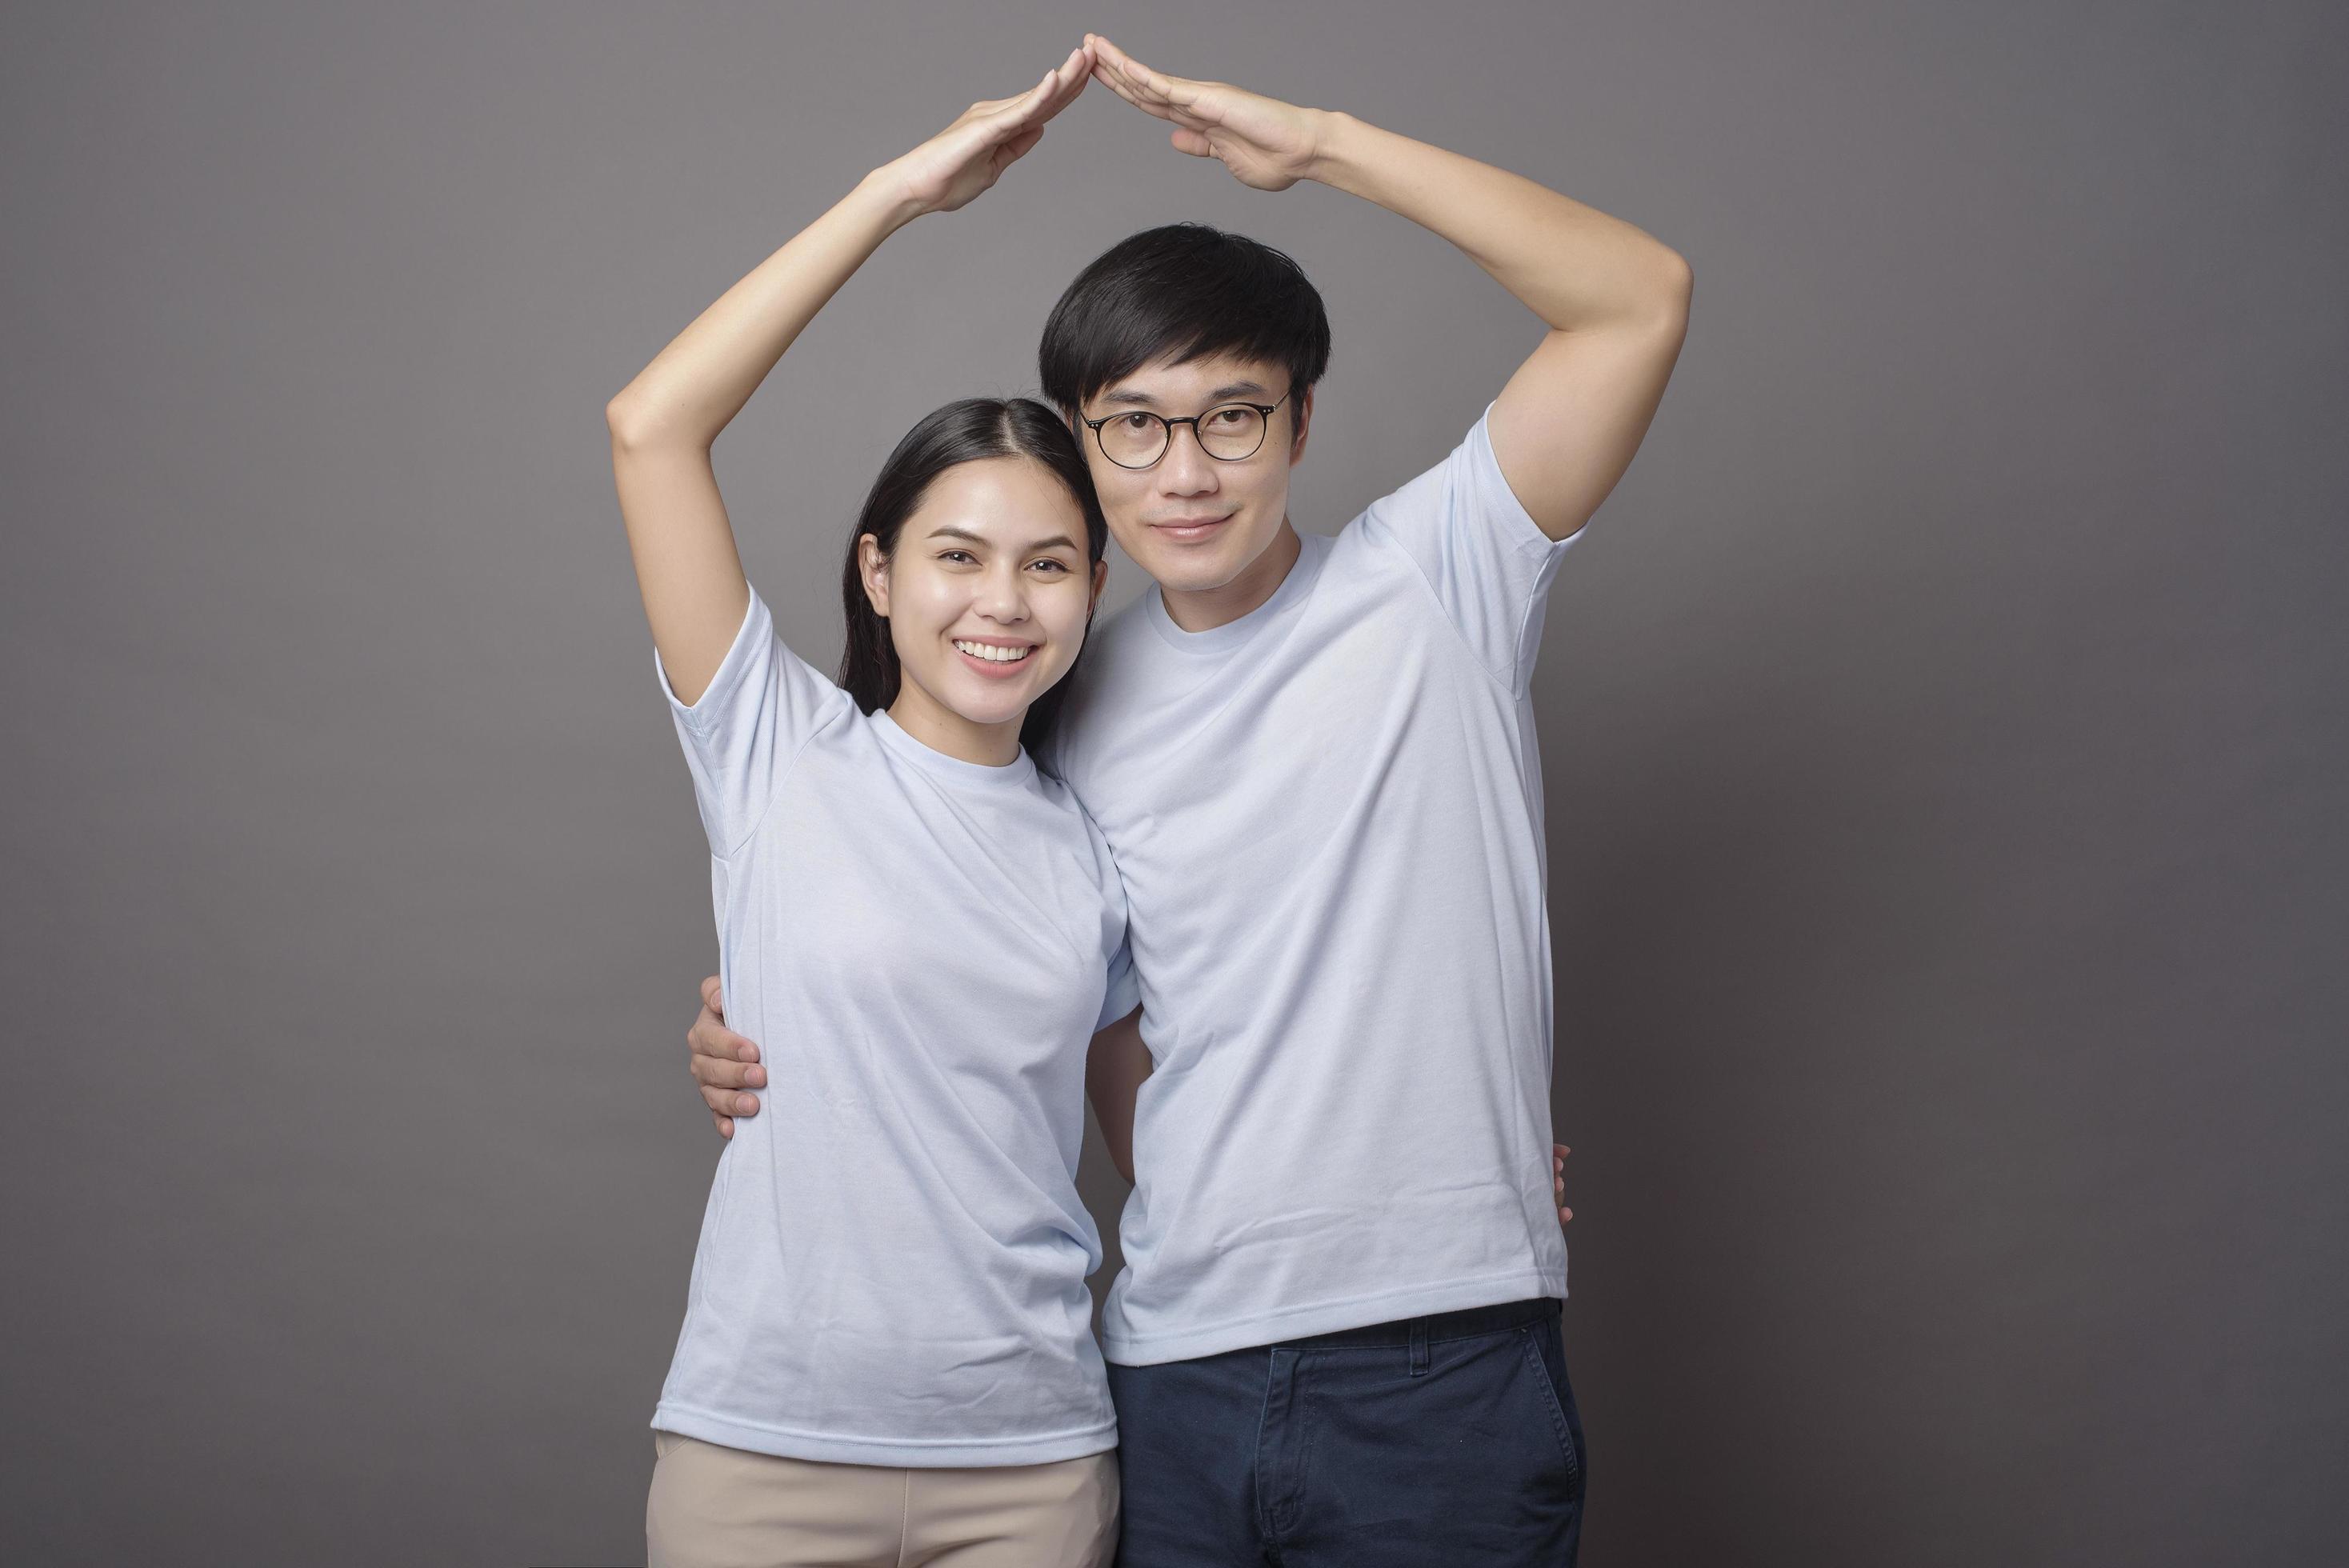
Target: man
1335 1339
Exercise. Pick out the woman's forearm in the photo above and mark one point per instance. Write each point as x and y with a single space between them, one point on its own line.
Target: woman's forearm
695 386
1115 1065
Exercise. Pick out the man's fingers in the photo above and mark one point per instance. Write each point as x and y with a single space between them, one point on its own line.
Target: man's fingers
725 1124
730 1102
1172 92
718 1072
713 1041
710 996
1111 68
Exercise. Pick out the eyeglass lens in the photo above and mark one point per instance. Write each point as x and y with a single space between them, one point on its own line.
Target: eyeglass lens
1136 440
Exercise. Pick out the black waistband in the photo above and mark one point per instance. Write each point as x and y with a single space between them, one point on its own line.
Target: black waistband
1464 1324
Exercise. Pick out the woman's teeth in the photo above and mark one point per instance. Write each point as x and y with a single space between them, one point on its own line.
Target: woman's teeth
990 652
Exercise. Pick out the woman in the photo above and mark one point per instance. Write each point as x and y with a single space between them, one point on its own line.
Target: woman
887 1353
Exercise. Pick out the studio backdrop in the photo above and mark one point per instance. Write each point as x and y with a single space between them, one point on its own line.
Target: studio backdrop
1943 726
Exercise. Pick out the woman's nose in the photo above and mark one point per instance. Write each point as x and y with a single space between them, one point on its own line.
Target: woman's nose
1003 596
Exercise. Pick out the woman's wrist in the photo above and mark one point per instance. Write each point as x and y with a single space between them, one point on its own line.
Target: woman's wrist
888 192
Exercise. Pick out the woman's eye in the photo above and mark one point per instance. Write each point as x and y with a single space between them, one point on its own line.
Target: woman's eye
956 556
1054 566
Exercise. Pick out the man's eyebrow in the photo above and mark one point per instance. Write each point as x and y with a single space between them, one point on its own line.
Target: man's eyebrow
1127 396
948 530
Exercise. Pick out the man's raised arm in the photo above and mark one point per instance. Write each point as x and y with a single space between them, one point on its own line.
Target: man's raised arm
1616 300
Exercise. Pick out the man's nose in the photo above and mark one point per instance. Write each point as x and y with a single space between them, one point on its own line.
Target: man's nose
1187 470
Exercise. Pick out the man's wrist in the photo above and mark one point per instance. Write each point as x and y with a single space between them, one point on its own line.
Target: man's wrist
1337 140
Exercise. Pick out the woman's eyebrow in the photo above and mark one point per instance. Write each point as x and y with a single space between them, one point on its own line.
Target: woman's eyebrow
948 530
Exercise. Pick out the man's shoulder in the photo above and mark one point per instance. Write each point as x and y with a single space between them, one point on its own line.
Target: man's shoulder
1102 687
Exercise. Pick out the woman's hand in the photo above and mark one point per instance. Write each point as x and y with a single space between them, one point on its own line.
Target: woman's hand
1264 142
953 166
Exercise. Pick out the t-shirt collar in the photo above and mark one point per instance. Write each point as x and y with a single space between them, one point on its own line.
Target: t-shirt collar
1222 639
1018 773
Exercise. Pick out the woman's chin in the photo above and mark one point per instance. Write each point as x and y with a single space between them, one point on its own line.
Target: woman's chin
992 707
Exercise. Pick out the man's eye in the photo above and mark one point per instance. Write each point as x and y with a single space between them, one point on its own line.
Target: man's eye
1235 415
1137 423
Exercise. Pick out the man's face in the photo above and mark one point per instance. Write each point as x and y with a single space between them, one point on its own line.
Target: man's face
1192 521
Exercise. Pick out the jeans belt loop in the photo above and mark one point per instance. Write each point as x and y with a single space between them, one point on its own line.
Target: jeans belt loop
1419 1346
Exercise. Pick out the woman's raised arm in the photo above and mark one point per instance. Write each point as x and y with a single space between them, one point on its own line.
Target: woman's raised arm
665 421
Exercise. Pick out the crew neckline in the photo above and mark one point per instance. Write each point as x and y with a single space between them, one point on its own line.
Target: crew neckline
1312 548
1016 774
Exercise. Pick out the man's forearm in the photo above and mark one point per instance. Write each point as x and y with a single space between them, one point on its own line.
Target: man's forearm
1571 265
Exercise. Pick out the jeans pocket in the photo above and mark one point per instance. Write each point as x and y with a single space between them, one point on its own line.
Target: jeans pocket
1556 1395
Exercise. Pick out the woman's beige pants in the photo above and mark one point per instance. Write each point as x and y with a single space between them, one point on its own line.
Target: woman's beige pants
714 1507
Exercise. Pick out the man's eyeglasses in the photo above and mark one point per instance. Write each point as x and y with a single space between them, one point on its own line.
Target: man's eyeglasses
1228 432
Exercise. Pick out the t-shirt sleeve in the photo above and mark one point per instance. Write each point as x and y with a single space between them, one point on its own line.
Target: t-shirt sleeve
1124 993
741 735
1488 562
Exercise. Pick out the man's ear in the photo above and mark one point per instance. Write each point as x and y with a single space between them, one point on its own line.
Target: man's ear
1304 427
872 568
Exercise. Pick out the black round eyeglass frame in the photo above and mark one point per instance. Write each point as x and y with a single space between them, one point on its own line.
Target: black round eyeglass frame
1166 431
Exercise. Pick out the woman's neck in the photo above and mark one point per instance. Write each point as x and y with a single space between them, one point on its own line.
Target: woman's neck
941 729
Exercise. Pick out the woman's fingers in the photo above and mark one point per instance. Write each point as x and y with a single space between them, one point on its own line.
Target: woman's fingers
1017 147
1056 90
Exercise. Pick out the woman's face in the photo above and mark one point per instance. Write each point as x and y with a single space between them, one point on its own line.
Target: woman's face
989 590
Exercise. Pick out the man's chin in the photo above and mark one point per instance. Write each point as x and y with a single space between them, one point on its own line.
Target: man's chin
1178 573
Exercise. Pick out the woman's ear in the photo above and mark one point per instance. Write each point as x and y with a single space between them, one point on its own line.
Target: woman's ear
1101 581
874 568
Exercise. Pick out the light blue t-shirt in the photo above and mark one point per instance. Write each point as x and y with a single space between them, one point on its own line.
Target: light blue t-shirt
891 1263
1328 817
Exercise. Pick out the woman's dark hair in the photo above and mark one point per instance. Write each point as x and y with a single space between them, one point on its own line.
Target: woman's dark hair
1182 292
962 432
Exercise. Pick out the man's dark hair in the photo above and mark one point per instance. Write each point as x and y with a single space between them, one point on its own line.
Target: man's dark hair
1182 292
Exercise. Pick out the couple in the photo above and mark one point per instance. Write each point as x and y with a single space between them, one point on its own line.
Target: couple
1262 873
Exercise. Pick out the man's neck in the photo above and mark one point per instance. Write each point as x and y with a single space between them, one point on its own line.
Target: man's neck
1211 607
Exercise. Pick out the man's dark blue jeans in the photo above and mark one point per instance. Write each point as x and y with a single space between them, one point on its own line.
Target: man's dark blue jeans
1450 1440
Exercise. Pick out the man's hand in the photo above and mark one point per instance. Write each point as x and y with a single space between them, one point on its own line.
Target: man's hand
723 1062
1264 142
1558 1153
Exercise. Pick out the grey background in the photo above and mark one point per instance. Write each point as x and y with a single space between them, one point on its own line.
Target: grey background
1942 728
